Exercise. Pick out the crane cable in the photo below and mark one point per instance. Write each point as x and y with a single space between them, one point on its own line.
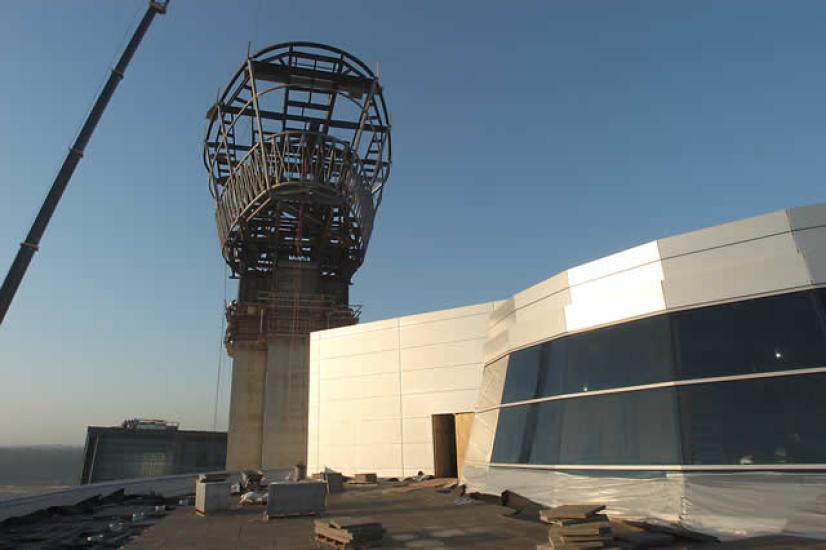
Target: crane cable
220 353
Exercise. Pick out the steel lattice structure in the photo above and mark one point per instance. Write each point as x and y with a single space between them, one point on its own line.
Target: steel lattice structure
298 152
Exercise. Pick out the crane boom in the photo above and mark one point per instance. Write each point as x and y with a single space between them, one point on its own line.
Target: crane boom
29 246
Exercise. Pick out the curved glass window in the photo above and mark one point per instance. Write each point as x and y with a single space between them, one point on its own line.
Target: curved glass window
762 335
765 421
626 428
761 421
766 334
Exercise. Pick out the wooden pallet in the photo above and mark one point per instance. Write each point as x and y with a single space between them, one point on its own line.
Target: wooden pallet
346 545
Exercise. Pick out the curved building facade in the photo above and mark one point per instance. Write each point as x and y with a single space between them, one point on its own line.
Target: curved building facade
682 380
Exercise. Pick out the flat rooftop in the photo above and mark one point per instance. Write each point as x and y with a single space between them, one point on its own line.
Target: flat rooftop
420 518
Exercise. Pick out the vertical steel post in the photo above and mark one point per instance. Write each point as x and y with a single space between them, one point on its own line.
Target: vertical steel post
29 246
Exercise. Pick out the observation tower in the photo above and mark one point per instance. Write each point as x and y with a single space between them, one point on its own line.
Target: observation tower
297 149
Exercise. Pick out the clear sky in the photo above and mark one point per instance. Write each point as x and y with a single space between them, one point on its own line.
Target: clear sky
528 137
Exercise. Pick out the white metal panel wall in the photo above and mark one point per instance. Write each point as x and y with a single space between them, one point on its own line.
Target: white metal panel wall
620 286
378 384
735 260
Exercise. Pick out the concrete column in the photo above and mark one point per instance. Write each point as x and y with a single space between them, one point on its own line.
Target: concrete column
286 399
249 365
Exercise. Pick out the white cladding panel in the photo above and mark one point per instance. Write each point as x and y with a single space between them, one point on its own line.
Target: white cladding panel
758 266
378 385
725 234
812 244
617 287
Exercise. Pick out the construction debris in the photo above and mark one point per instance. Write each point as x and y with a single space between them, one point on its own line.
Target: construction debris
253 498
251 480
370 478
438 483
349 533
296 498
334 480
577 527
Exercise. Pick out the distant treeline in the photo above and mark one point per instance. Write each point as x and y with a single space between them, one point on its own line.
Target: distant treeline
42 465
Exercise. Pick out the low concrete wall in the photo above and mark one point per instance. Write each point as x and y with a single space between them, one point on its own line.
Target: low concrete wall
168 486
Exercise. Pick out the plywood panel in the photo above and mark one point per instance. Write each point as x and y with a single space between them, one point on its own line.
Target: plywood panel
464 422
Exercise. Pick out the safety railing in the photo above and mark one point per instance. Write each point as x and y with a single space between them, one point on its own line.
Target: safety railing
294 158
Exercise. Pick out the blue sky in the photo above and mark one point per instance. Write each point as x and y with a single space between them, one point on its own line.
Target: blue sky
528 137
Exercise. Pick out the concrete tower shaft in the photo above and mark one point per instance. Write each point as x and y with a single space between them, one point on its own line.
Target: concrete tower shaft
298 152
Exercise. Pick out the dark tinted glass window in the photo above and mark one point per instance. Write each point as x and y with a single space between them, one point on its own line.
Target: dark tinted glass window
766 421
626 428
522 375
765 334
546 436
630 354
510 433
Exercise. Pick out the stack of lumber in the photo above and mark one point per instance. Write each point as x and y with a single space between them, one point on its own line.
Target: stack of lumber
577 527
349 533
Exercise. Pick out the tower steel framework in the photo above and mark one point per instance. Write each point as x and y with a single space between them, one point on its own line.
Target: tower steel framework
298 152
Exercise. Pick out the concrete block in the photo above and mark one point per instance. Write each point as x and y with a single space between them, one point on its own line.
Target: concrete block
335 482
211 496
296 498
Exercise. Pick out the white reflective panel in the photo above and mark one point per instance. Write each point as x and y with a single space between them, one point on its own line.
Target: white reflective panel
623 295
615 263
753 267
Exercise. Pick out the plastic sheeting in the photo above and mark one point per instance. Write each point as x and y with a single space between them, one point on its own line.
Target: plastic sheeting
726 505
